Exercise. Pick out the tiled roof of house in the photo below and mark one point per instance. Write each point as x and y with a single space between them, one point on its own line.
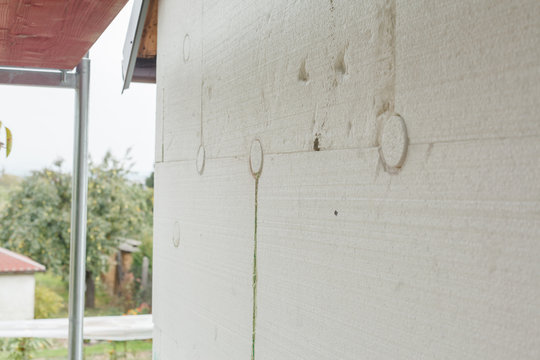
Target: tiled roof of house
11 262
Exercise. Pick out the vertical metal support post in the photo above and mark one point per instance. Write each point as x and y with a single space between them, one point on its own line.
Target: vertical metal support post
77 259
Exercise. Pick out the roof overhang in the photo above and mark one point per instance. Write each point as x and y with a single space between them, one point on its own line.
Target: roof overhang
140 47
53 34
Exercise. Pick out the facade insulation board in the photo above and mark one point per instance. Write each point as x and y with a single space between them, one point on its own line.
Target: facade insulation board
396 215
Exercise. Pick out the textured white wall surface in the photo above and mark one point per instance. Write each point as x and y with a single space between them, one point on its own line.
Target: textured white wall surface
397 212
17 296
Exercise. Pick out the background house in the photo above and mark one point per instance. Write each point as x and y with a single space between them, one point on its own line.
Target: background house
17 285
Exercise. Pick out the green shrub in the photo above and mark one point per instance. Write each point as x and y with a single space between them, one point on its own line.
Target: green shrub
23 348
47 303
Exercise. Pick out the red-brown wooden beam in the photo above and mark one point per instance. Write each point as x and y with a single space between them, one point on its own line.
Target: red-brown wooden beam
52 33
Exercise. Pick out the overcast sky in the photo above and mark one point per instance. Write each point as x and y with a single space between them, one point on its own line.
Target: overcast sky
41 119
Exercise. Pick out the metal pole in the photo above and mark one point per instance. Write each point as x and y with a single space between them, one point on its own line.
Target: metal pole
77 259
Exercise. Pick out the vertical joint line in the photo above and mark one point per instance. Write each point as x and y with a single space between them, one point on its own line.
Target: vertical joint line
163 124
255 271
202 70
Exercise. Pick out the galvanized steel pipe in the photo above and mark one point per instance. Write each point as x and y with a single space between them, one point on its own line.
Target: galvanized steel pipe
77 260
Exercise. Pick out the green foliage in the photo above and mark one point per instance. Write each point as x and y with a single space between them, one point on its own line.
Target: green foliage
7 184
145 250
36 221
47 303
54 283
136 350
150 180
9 140
57 285
22 348
9 181
107 303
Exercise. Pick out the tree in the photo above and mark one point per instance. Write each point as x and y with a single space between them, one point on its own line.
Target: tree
150 180
36 220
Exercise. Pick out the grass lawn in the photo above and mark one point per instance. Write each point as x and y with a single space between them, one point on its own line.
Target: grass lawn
103 350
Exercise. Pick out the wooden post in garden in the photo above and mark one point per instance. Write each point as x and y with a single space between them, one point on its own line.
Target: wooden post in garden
144 274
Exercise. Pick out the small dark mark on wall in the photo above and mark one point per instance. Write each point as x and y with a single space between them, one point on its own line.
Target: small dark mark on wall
335 212
303 75
428 151
340 65
316 143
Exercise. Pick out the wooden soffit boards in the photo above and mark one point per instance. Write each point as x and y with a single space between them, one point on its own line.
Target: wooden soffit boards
140 47
52 33
148 46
